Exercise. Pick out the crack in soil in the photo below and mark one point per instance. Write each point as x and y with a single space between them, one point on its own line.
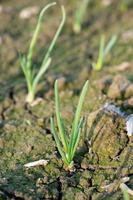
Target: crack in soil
59 189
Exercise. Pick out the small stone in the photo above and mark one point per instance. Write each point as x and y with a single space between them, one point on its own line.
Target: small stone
129 125
129 91
28 12
118 87
107 2
123 66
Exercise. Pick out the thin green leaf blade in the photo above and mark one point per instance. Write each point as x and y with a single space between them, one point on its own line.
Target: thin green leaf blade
56 35
79 15
79 107
41 72
57 140
100 60
76 139
77 115
110 44
59 119
35 35
23 63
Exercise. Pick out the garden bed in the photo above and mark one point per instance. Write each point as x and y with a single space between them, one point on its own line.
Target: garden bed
104 156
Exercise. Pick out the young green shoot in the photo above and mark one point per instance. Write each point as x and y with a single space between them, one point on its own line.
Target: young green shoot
79 15
32 77
67 143
103 51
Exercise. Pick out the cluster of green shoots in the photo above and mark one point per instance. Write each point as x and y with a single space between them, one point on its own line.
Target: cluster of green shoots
33 76
67 143
79 15
103 51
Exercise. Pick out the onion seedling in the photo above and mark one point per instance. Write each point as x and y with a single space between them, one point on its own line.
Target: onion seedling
103 51
79 15
32 77
65 143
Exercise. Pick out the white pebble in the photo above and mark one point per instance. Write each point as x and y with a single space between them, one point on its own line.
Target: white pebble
28 12
36 163
129 125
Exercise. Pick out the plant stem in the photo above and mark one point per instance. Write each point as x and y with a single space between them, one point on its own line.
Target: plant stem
30 97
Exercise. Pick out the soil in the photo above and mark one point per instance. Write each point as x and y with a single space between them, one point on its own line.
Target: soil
105 153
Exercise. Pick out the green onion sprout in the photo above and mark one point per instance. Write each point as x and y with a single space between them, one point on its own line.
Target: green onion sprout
66 143
103 51
32 77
